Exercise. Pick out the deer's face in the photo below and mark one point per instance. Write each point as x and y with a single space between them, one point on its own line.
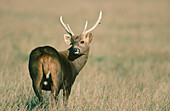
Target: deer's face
79 44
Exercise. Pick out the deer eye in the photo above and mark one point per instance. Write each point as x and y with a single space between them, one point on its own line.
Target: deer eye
82 42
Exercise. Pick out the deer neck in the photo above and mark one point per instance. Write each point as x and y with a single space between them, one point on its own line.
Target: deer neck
78 61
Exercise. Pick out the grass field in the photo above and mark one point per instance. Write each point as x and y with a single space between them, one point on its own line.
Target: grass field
129 62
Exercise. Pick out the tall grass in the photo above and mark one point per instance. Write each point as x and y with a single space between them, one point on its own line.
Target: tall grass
129 61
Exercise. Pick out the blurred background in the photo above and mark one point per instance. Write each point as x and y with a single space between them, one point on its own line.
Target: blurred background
129 61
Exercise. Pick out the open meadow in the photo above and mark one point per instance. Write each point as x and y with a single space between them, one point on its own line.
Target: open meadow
129 63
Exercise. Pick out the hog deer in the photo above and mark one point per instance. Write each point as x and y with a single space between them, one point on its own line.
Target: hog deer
51 70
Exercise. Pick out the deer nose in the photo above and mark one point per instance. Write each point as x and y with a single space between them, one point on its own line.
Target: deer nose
76 50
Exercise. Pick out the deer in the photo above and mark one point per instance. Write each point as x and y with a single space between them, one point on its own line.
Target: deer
53 70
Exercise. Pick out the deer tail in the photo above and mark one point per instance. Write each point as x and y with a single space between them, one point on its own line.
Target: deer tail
46 69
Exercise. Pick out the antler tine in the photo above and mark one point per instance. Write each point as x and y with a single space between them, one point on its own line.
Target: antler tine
70 29
64 26
85 27
95 25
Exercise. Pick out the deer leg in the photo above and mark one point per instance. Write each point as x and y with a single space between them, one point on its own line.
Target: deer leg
55 92
37 90
37 76
66 94
55 86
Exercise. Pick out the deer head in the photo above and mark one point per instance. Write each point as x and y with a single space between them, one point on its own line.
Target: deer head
79 43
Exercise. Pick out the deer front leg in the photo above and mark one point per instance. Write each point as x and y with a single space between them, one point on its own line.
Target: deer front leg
66 94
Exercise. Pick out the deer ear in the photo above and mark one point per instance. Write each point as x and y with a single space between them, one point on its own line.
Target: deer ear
67 39
89 36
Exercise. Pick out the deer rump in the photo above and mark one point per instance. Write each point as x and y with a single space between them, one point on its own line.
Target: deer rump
46 80
45 67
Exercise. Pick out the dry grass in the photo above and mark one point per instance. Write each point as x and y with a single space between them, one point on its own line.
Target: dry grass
129 63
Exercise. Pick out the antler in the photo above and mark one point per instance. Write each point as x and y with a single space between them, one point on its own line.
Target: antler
67 28
69 31
95 25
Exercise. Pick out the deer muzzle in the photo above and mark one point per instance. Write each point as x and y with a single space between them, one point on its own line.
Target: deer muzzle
76 51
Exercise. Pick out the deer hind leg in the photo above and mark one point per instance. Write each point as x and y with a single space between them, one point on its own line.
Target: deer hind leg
37 86
55 91
55 86
37 89
55 69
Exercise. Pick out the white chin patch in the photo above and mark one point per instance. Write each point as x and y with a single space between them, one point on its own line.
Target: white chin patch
76 53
